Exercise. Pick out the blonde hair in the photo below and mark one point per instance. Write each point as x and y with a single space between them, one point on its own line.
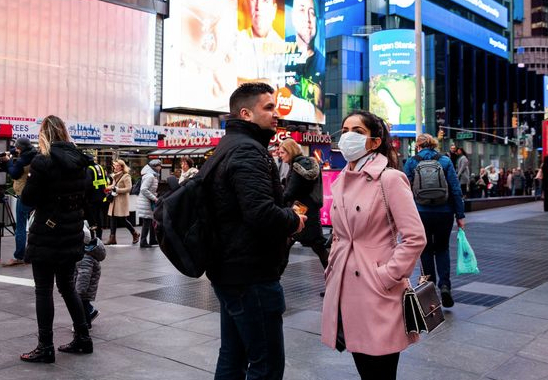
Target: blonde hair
52 129
426 140
122 163
291 147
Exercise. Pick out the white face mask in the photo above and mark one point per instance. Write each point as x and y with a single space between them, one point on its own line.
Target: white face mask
352 146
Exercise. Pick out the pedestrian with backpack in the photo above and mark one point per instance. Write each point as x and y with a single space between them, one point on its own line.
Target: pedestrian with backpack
438 197
249 227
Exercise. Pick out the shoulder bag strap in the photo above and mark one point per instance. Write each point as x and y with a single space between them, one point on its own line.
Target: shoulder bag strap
422 278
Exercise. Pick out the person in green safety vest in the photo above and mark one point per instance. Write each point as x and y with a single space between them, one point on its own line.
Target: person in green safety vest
97 205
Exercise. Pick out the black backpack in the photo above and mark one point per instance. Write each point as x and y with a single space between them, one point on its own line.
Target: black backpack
429 183
136 188
183 226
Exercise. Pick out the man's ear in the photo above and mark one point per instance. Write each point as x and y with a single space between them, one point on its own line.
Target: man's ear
245 114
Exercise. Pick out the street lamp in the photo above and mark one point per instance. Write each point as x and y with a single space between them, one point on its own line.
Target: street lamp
418 68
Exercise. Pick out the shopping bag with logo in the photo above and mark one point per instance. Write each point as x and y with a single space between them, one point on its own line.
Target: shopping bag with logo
466 259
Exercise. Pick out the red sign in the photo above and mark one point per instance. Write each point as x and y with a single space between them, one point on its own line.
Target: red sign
6 131
308 138
188 142
544 138
281 135
328 177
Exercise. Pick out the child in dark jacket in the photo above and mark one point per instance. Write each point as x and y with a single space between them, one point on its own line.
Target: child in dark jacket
88 273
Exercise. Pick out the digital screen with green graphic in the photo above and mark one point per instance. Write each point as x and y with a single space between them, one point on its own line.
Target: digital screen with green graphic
392 79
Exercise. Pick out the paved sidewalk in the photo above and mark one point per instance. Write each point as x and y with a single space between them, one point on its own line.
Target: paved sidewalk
157 324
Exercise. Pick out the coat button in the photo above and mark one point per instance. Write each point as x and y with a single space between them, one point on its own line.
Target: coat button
369 178
334 207
357 208
357 274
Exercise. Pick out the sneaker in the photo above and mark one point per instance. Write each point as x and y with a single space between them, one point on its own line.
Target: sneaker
94 314
446 298
13 262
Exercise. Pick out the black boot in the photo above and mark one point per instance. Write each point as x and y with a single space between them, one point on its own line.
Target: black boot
81 343
41 354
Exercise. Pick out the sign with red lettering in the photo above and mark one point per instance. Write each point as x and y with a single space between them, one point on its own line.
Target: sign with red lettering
188 142
281 135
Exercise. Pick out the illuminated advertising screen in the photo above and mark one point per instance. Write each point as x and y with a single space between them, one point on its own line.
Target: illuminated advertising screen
210 47
447 22
341 16
392 79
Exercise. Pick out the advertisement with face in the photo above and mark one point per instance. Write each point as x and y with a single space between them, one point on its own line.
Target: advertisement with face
392 79
210 47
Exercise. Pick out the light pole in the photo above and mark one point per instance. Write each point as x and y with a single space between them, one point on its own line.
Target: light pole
418 68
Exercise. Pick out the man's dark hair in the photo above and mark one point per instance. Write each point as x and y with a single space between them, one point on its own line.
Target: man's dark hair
244 96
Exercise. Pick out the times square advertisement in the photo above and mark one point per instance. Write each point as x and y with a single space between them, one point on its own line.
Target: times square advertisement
211 47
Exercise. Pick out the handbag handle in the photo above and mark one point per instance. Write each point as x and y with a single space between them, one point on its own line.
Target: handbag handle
422 278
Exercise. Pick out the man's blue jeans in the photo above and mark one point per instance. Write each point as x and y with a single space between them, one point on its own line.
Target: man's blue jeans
21 217
435 256
252 341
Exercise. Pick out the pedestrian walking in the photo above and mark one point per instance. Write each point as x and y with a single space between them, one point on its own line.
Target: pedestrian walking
56 189
438 219
483 183
463 170
368 270
304 184
118 209
18 168
251 227
146 202
518 182
493 176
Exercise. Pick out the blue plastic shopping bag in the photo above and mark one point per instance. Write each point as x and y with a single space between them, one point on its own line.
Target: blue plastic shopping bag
466 259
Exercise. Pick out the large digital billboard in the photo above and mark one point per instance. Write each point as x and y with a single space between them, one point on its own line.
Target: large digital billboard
392 79
447 22
341 16
210 47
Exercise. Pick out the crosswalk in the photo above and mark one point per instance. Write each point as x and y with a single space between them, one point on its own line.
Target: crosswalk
16 281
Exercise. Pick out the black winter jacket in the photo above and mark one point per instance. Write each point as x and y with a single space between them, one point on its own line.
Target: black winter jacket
55 189
304 184
250 223
15 168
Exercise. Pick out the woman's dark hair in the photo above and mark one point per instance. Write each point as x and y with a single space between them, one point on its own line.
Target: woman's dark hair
188 160
463 152
378 128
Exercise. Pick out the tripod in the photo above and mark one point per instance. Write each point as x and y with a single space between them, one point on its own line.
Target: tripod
7 221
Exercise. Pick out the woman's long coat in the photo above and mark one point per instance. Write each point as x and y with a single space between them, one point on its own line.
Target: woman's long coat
367 271
120 205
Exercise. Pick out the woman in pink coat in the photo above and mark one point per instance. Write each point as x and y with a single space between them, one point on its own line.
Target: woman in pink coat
367 272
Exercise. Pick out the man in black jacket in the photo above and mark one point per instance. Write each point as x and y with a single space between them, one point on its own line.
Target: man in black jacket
251 229
18 169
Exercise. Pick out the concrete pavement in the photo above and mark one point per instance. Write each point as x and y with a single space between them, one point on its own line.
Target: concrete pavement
157 324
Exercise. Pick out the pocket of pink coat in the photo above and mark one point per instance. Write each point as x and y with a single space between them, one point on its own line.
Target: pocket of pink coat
378 280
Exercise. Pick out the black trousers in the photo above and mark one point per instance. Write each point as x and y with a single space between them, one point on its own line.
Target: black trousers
116 221
97 214
383 367
44 274
146 231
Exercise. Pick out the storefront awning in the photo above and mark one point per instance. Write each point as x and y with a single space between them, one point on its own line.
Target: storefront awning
195 152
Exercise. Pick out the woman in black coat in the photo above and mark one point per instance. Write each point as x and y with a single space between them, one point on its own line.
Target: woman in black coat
55 189
304 184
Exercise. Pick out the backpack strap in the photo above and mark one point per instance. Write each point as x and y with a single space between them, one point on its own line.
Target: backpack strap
437 157
418 158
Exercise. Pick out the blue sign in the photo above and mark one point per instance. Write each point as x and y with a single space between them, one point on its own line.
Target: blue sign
488 9
393 79
342 15
449 23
